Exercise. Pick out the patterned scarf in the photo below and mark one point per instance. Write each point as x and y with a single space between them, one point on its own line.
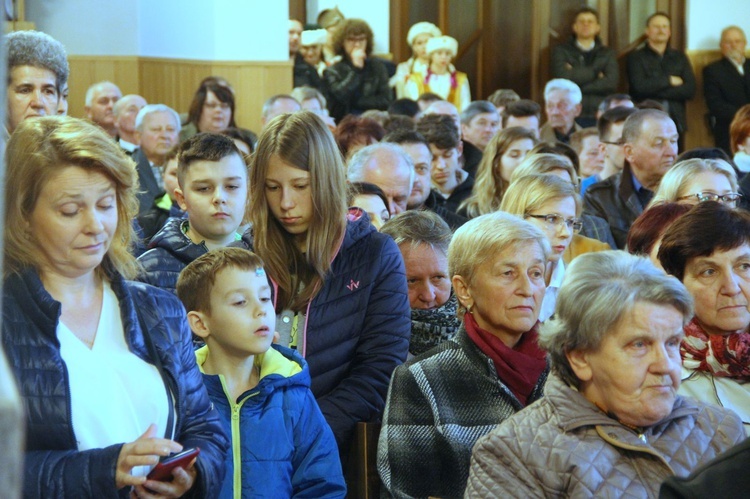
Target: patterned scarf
431 327
519 367
727 356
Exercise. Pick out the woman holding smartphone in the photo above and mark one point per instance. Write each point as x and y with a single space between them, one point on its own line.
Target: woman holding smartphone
340 286
105 365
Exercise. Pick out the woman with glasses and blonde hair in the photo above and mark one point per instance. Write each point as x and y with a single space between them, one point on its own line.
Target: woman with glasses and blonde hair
105 365
595 234
693 181
505 151
339 285
551 204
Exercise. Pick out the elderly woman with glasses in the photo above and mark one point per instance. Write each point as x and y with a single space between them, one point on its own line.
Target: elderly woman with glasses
708 249
550 203
693 181
611 423
443 400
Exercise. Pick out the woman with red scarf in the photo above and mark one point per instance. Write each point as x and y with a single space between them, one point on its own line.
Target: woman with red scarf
708 249
443 400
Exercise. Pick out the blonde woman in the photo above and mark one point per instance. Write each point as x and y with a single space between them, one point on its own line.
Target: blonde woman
503 154
551 204
696 180
595 234
340 286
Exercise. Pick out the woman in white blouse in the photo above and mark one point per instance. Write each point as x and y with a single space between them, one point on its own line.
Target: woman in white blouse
105 365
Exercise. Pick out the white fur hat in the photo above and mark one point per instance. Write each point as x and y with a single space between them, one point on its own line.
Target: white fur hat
442 42
313 37
420 28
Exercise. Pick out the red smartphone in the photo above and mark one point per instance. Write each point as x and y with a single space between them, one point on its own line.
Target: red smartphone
162 472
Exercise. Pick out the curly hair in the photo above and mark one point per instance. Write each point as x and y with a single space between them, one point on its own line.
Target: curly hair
348 29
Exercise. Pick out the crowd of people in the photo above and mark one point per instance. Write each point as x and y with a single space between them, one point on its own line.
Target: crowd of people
524 307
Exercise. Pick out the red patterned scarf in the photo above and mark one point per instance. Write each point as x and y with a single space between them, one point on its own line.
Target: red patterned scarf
727 356
519 367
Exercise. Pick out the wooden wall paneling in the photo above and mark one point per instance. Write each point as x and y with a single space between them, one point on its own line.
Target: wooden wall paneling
87 70
699 134
298 10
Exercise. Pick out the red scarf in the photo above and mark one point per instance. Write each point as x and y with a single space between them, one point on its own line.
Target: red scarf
727 356
519 367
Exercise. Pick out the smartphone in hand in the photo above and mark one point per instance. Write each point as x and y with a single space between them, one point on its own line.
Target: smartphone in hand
162 472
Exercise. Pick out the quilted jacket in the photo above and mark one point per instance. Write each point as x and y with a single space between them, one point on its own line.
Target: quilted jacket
53 466
357 329
281 445
564 446
170 252
439 404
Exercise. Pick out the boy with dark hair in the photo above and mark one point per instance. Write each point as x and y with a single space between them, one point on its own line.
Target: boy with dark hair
212 189
281 444
451 182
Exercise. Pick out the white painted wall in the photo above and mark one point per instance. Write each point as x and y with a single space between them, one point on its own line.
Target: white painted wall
375 12
221 30
706 19
88 27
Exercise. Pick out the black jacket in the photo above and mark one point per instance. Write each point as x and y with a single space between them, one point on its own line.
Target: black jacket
726 91
307 75
53 465
614 199
648 77
352 90
434 203
595 71
149 187
458 196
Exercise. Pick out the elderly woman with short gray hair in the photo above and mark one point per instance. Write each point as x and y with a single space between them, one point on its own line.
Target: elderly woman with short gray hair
442 401
610 423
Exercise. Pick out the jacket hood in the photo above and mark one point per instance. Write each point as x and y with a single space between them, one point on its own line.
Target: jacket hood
172 239
279 366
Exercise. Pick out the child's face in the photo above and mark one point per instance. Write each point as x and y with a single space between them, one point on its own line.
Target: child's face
242 319
214 196
170 177
289 197
442 57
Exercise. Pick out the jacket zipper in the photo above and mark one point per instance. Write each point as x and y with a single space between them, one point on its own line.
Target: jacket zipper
236 409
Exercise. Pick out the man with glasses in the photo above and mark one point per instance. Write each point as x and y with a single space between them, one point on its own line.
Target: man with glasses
610 144
562 104
649 146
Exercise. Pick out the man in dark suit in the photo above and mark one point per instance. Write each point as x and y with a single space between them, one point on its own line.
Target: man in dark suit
726 84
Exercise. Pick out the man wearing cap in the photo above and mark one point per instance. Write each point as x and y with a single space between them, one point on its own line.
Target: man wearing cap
419 62
441 77
309 64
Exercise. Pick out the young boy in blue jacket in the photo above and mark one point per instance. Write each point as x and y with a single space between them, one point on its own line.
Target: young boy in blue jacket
281 444
212 189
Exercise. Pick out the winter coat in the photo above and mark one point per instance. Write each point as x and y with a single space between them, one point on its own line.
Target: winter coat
281 444
648 78
352 90
170 251
595 71
564 446
153 219
357 329
53 465
439 404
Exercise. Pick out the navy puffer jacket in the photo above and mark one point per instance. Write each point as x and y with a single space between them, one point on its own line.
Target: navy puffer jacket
53 465
357 329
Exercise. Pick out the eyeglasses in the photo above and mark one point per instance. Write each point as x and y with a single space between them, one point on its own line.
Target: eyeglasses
574 224
729 198
357 39
214 105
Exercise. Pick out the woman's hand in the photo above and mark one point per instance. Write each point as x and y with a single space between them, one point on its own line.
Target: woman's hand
358 57
145 451
182 481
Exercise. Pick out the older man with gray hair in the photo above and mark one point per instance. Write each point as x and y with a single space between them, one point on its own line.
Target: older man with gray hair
37 72
100 103
157 129
126 109
277 105
387 166
562 104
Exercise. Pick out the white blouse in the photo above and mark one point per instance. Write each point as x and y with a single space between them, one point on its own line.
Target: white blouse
114 394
